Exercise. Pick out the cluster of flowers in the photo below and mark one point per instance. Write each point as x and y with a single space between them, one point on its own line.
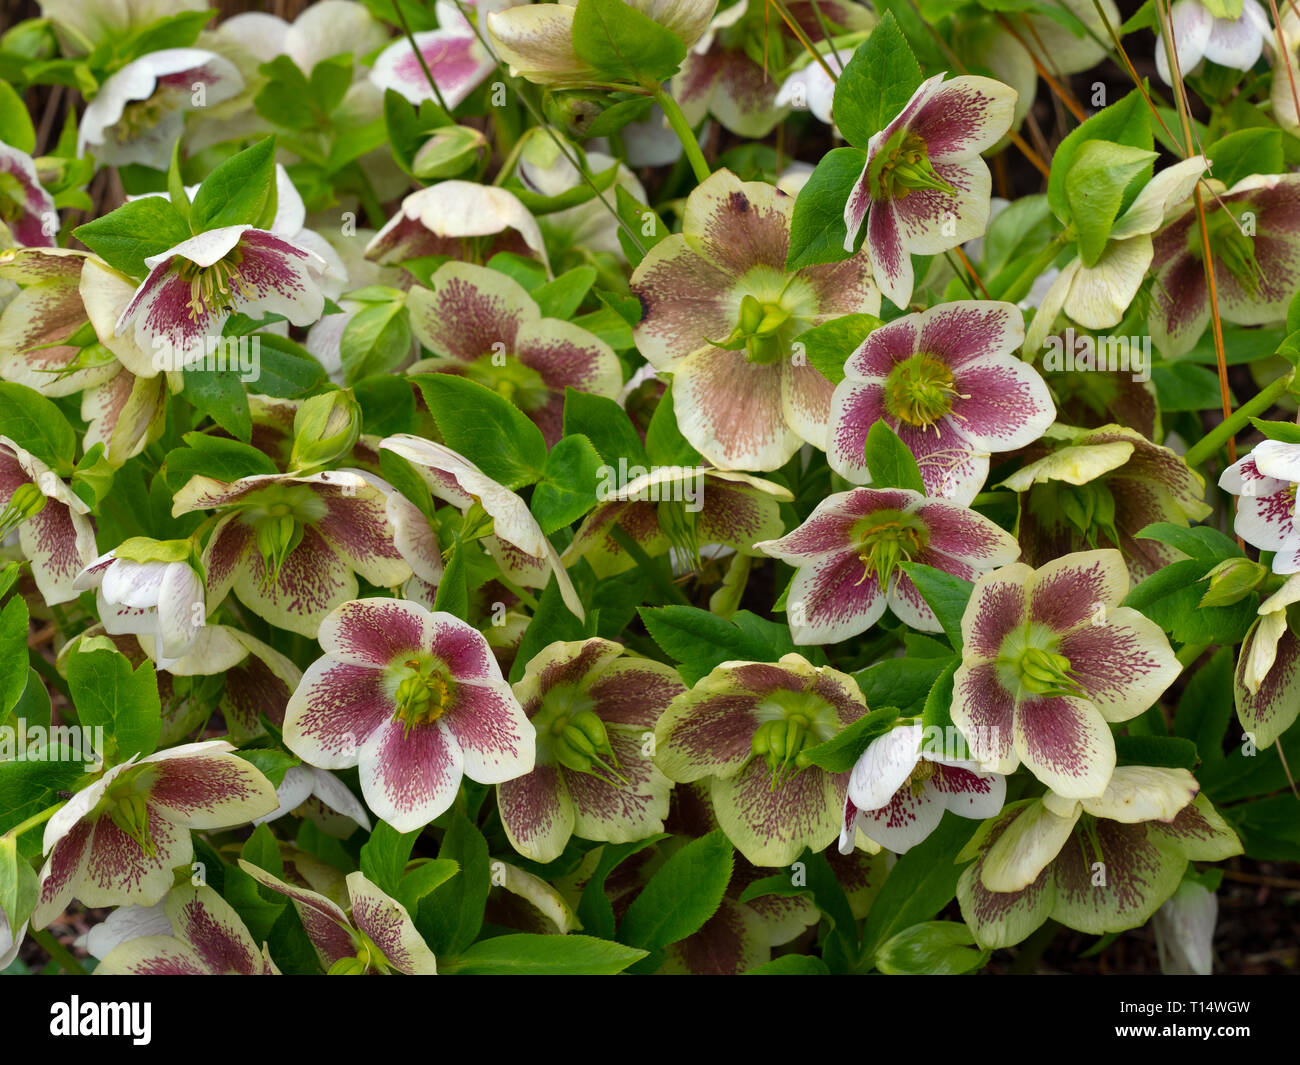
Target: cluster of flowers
320 515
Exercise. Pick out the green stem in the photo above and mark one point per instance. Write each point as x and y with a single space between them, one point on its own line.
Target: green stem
684 134
34 820
1217 437
59 953
666 588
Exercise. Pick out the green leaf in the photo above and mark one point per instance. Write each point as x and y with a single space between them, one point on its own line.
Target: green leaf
330 80
524 954
451 915
922 883
664 443
286 369
791 965
1196 541
685 892
1094 189
623 44
890 461
1174 752
1171 598
701 640
486 428
1183 386
946 595
34 423
1244 152
817 229
562 297
138 229
637 217
1287 432
841 752
385 854
1125 122
594 908
606 424
568 486
387 405
14 669
431 873
933 948
124 702
271 762
376 340
221 396
876 83
19 887
214 456
829 345
453 590
237 191
903 682
16 127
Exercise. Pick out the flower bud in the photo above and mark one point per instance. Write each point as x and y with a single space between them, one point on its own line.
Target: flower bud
449 151
325 427
574 111
1231 581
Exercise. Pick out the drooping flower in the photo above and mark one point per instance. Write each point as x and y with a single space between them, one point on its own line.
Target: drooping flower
1286 72
682 507
452 53
25 207
81 26
537 39
733 72
483 325
207 939
324 30
10 942
453 218
305 784
118 840
1184 928
846 558
900 788
1265 482
139 112
374 935
1096 294
416 700
149 587
516 542
1266 685
1235 39
290 546
745 728
1101 487
1049 659
924 188
193 288
53 523
1098 865
948 382
720 313
593 710
1254 230
811 89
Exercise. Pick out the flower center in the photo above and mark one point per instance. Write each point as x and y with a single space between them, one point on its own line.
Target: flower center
1030 661
571 734
886 538
920 776
508 376
13 198
213 288
425 692
794 722
1233 245
127 807
26 502
903 164
920 390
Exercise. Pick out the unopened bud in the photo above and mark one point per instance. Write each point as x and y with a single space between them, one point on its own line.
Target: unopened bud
1231 581
325 427
449 151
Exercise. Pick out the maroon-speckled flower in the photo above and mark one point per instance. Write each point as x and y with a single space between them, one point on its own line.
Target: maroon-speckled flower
25 207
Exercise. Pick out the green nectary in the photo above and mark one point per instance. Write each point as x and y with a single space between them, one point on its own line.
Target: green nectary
920 390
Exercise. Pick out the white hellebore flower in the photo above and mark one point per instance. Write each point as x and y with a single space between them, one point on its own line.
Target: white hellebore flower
324 30
304 782
139 112
1228 32
1184 928
810 88
149 588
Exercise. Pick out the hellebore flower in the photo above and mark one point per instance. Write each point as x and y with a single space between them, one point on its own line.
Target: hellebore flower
537 39
1098 865
1265 482
682 507
118 840
746 727
593 711
452 53
483 325
375 935
415 699
811 89
150 587
1096 294
899 789
1049 658
516 543
193 288
290 546
948 382
1101 487
728 73
1234 40
1266 685
324 30
207 939
924 188
720 313
1254 232
139 112
1286 72
54 529
10 944
304 784
80 26
846 558
1184 928
449 218
25 207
